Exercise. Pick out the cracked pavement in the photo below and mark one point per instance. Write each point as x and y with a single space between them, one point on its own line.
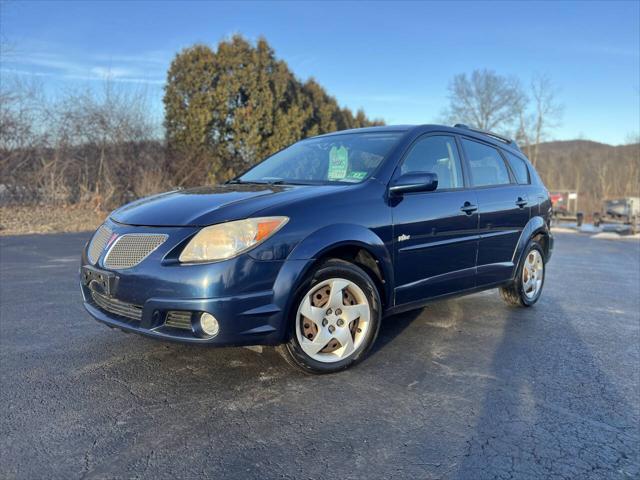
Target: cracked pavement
463 389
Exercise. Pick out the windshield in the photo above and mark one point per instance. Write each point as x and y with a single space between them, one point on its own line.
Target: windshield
348 158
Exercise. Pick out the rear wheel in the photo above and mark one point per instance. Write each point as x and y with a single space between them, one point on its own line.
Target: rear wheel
527 288
336 319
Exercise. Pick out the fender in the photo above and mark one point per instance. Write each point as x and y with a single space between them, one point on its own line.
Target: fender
315 245
321 241
534 226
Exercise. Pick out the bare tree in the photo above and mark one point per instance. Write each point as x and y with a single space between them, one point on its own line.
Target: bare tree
23 138
88 146
107 136
534 127
485 100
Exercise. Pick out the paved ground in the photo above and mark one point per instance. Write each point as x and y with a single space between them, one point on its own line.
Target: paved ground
464 389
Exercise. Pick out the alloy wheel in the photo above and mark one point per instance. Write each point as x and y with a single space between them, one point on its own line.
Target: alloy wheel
532 274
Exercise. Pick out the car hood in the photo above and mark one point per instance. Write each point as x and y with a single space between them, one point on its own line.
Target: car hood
207 205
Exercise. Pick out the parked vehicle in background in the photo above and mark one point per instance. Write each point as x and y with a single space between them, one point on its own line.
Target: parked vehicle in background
619 211
565 207
310 248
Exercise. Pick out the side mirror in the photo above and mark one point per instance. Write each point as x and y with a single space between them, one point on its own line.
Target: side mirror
414 182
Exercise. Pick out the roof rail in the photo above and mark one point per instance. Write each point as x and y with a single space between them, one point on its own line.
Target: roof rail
506 140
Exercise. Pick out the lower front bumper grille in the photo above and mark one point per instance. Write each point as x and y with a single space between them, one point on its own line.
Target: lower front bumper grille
179 319
117 307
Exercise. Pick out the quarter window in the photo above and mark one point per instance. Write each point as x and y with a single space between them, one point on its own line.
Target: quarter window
435 154
486 165
519 168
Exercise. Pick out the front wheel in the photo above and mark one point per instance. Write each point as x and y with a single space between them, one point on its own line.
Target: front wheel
527 287
336 319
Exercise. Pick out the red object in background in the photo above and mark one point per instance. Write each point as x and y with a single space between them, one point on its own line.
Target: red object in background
556 198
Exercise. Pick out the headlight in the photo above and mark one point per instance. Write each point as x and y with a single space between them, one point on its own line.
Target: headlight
227 240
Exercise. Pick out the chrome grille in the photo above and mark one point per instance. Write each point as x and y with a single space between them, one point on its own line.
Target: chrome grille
130 249
178 319
99 240
117 307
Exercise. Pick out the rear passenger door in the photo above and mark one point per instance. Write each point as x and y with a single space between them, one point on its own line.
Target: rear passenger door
524 175
503 208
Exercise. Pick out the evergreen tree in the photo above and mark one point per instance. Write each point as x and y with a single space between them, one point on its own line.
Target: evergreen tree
230 108
189 110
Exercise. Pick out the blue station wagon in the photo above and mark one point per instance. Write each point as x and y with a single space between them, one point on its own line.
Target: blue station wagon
311 248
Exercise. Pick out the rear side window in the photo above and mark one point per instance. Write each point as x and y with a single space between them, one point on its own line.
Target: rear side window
435 154
486 164
519 168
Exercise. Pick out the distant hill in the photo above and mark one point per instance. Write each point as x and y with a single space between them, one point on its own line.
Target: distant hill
597 170
565 146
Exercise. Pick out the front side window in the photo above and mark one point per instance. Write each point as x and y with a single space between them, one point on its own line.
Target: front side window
435 154
519 168
344 158
486 164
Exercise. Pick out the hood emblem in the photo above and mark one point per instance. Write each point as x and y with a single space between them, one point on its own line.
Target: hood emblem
112 238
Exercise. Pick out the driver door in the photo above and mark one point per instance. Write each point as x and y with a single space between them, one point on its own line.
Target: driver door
435 233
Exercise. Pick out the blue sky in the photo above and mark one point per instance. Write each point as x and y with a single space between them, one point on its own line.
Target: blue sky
393 59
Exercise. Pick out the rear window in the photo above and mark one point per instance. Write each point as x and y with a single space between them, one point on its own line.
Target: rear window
519 168
486 164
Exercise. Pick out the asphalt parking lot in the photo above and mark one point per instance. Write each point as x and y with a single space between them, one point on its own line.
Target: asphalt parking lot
464 389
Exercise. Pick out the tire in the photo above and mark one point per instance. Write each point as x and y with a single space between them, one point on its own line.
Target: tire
344 315
526 290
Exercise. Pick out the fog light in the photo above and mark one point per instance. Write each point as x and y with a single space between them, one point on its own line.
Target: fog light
209 324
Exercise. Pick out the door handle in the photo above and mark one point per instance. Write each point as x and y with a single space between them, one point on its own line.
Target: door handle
468 208
521 202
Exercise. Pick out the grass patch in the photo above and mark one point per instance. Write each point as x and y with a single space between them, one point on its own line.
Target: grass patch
21 220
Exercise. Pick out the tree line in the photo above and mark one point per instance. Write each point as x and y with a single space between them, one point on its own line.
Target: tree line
225 109
229 107
530 113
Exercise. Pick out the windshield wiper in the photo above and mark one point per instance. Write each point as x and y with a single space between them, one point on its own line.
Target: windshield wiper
275 181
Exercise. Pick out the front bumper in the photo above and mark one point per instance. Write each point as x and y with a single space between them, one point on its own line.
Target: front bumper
249 319
246 296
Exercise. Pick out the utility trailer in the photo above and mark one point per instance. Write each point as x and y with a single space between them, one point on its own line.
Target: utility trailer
619 211
565 207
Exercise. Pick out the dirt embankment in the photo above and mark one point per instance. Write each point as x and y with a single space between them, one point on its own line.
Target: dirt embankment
20 220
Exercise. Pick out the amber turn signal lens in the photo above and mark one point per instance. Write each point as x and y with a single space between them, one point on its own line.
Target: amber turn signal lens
265 228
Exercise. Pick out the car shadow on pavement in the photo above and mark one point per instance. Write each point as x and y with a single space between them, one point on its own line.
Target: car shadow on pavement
549 410
262 358
392 326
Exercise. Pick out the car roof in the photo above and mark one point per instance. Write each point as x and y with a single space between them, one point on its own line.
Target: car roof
488 137
379 129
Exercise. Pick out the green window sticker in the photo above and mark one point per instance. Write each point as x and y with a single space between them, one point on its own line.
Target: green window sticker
356 175
338 163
